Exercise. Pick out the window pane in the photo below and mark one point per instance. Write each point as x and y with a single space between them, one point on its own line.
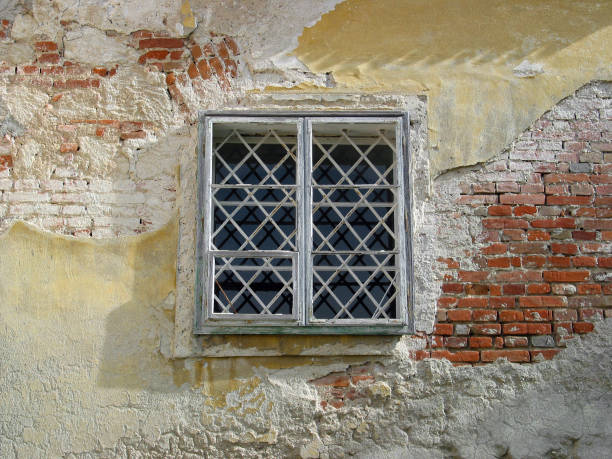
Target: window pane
253 285
354 227
255 154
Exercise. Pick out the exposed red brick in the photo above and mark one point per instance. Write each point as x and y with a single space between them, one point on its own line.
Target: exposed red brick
204 68
501 223
459 315
49 58
102 71
565 178
232 46
522 199
547 354
456 341
604 262
512 356
158 54
499 210
502 302
484 315
567 249
452 288
6 161
565 276
222 50
554 223
515 341
486 329
45 46
471 302
542 301
538 289
583 327
133 135
443 329
515 329
538 235
568 200
510 315
69 147
538 315
459 356
519 211
480 341
161 43
584 262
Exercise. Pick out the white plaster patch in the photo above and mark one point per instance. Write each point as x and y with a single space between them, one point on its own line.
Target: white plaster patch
25 102
92 46
527 69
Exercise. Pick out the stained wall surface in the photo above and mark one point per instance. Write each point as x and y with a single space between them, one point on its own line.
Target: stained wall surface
511 145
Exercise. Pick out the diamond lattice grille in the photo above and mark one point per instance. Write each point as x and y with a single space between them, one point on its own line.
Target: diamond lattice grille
354 227
254 209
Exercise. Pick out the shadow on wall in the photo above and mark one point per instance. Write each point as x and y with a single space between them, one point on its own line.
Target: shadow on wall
446 31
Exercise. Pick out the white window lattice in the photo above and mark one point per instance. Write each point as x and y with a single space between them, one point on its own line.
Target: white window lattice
304 225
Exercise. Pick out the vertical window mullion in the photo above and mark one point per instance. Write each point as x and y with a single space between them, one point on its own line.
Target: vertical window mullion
307 227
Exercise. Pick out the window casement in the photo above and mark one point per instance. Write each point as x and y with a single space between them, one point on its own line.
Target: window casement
304 224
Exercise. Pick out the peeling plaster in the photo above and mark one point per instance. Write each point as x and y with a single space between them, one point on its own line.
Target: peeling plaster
462 55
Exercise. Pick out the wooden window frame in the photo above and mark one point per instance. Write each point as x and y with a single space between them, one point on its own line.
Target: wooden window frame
299 323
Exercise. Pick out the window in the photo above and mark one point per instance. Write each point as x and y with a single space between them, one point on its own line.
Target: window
304 224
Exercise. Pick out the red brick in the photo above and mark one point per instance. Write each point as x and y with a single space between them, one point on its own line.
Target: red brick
498 211
204 69
480 341
486 329
443 329
568 200
472 276
49 58
502 302
133 135
515 341
604 262
501 223
513 235
456 341
564 248
606 235
176 55
538 235
522 199
538 289
554 223
586 212
557 189
420 355
334 380
222 50
6 161
495 290
45 46
591 315
519 211
232 68
501 262
158 55
514 289
565 276
528 247
55 70
69 147
459 315
584 235
471 302
507 187
565 178
565 315
192 71
542 301
452 288
476 289
217 66
538 315
512 356
161 43
510 315
547 354
604 189
603 201
494 249
515 329
459 356
584 262
559 262
583 327
142 34
232 46
450 263
532 188
533 261
539 329
99 71
484 315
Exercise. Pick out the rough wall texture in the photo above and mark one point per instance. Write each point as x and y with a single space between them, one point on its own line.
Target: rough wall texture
98 110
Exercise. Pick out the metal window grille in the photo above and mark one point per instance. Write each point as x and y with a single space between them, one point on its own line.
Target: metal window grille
304 224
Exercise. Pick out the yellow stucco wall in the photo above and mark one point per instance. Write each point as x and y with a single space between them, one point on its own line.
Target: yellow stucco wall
461 54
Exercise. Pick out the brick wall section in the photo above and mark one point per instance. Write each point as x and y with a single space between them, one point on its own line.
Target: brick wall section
184 60
70 201
543 271
338 388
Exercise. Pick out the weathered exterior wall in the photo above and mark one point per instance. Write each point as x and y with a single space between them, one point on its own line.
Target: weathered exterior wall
98 134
